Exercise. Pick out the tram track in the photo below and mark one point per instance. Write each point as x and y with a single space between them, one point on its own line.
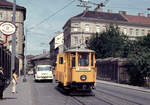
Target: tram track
84 100
112 97
101 96
78 100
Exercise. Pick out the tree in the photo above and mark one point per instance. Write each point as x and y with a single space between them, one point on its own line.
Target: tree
109 44
113 43
139 60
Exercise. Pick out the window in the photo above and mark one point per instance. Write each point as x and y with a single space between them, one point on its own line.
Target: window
75 40
92 59
125 31
1 16
104 28
143 32
131 31
87 28
43 69
137 31
87 40
73 61
83 59
97 28
60 60
76 27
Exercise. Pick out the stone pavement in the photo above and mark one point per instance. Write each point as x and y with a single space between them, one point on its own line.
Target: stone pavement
22 97
124 86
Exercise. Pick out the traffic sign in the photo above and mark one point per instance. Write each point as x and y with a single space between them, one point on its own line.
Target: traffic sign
7 28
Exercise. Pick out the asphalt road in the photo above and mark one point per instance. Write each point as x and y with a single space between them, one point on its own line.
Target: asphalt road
45 93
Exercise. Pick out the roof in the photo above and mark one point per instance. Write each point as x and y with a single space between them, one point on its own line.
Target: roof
9 5
79 50
102 15
137 19
111 59
141 20
42 56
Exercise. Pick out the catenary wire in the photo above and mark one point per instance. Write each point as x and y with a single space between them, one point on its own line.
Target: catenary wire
44 20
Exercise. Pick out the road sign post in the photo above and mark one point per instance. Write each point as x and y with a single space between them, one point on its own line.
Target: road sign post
13 40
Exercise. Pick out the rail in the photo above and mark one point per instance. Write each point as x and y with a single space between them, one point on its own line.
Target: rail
5 61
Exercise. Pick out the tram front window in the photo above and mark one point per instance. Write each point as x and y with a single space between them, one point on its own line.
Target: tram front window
83 59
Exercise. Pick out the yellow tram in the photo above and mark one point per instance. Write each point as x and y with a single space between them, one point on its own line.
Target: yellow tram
75 70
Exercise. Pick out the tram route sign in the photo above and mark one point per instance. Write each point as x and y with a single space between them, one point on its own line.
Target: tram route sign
7 28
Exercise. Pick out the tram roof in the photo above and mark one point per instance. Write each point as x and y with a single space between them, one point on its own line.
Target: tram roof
79 50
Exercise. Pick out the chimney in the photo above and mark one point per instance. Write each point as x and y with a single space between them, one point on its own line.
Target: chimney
44 51
97 9
148 15
140 14
109 11
122 12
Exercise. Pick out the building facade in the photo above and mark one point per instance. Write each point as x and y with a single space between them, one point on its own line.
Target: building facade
42 59
81 27
6 13
56 47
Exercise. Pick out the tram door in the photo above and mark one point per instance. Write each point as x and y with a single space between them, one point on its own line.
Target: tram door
72 64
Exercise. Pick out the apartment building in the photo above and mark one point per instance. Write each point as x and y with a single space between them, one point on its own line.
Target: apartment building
81 27
56 47
6 13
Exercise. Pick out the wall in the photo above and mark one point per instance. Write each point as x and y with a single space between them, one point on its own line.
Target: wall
7 16
112 69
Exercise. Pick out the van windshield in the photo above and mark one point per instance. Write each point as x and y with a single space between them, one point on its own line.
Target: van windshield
43 68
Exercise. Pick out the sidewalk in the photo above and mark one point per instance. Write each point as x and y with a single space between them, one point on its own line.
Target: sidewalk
124 86
22 97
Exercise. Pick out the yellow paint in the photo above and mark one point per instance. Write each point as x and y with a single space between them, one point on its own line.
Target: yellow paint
65 73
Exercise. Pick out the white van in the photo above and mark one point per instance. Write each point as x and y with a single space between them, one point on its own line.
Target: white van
43 72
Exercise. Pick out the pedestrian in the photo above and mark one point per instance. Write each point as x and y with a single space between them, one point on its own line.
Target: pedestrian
2 83
14 81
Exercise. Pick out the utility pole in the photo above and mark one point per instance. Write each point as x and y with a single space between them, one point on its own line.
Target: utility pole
13 40
148 9
84 5
25 60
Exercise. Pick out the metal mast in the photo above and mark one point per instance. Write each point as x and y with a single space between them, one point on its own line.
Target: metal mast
13 40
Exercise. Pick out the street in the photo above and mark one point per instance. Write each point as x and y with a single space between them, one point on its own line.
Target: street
45 93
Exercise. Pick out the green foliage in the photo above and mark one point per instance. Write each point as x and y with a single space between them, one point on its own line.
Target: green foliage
108 44
113 43
139 60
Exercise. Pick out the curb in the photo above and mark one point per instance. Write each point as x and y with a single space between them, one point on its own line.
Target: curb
125 86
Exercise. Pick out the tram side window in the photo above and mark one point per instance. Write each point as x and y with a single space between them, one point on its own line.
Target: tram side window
73 54
91 59
60 60
73 62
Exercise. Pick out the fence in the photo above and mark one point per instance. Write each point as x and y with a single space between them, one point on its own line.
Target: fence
5 61
112 69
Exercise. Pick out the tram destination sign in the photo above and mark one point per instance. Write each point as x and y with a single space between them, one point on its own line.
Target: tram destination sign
7 28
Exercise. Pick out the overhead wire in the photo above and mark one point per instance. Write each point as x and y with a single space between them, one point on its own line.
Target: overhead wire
44 20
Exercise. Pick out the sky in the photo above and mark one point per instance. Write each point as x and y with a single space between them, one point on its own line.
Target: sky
44 18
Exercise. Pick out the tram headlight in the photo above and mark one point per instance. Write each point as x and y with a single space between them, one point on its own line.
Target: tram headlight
77 69
89 69
83 77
